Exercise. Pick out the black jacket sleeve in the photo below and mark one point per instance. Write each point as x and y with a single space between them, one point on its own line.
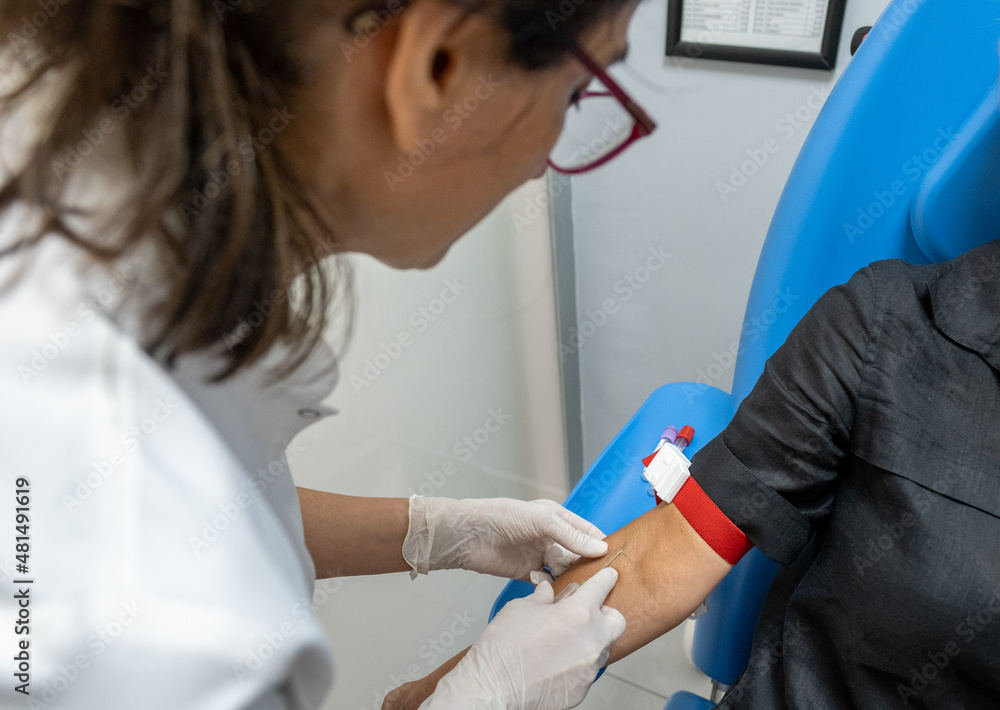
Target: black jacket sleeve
773 470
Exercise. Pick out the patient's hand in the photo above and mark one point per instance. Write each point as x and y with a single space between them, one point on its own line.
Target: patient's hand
665 571
409 696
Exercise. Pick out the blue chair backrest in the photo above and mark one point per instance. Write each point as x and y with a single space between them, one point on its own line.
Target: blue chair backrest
902 162
909 127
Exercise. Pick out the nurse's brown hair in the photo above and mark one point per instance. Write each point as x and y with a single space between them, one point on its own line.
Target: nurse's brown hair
196 86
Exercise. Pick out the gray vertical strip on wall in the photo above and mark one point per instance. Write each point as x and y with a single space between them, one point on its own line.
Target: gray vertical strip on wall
564 266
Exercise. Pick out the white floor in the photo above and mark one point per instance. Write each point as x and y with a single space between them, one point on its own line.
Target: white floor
648 677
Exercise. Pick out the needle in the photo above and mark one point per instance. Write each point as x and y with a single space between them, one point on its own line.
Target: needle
605 565
613 558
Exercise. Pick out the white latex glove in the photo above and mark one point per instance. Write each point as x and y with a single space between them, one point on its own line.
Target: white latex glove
498 536
537 653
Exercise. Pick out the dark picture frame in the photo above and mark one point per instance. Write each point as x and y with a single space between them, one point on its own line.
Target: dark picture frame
824 58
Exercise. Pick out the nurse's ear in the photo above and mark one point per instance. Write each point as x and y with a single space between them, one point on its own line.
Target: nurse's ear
438 58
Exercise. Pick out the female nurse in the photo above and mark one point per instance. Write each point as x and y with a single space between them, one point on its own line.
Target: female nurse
180 182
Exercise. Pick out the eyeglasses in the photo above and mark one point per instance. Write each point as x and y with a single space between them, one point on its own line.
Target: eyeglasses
600 125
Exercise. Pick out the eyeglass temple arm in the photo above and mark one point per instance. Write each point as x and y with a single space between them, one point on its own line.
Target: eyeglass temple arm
647 124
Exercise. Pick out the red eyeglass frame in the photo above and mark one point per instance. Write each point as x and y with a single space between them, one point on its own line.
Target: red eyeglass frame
644 125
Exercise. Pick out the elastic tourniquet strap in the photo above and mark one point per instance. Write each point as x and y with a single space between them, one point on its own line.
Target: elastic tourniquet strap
711 523
702 514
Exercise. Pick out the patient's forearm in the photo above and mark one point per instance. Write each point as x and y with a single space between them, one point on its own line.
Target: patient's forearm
665 571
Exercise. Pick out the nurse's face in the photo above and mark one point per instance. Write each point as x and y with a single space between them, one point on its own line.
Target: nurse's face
409 138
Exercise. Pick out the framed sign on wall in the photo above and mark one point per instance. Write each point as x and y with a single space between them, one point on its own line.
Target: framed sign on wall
797 33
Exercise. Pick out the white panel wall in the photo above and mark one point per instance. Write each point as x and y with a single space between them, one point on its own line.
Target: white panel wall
719 123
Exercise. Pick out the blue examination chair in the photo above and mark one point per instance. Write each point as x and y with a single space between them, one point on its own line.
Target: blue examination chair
902 162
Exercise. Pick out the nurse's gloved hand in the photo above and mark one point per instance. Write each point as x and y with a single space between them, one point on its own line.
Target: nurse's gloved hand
538 653
498 536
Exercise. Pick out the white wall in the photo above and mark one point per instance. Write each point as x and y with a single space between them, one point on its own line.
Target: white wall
405 411
663 194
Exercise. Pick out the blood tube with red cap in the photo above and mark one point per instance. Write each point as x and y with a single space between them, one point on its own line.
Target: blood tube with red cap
684 437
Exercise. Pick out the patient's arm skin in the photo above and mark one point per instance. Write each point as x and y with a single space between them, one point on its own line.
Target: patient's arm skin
409 695
664 572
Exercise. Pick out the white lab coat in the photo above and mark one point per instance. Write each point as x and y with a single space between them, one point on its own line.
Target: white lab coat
167 558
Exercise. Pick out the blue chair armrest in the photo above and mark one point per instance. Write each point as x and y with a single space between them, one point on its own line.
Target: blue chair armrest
683 700
723 636
613 492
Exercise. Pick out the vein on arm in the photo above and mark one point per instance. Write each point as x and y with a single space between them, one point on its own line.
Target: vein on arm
665 571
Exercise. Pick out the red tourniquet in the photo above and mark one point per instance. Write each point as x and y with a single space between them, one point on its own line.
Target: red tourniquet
708 521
